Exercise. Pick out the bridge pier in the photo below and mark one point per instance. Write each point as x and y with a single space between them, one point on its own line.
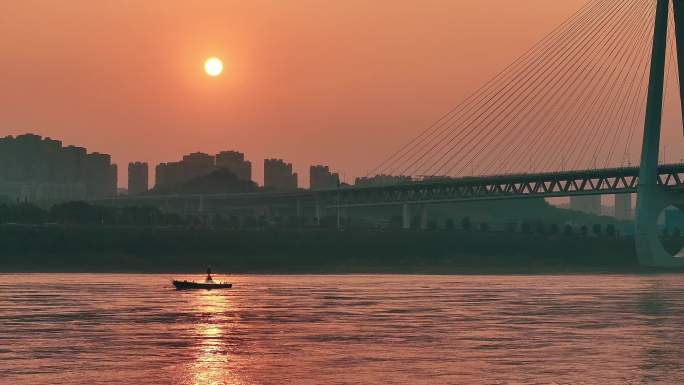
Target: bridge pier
317 213
298 209
342 218
240 220
651 197
405 216
423 217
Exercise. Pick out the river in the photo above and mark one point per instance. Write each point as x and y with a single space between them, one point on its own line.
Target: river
350 329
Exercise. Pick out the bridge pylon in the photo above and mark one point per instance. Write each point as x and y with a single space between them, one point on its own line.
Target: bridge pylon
652 199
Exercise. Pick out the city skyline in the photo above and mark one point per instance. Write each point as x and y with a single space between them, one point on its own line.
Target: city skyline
347 105
282 178
137 173
197 164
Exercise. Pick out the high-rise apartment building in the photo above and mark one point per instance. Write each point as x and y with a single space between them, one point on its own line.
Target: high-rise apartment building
320 178
99 175
235 162
73 159
137 178
40 169
278 175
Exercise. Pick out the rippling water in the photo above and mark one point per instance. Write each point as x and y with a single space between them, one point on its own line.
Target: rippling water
385 329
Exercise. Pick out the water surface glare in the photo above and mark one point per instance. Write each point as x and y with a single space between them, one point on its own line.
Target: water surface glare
355 329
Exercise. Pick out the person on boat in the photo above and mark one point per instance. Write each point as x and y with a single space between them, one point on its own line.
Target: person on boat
209 279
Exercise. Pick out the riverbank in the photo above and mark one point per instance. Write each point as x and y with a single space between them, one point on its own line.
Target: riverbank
153 249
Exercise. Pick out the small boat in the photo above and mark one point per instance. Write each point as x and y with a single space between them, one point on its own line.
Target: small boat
208 284
190 285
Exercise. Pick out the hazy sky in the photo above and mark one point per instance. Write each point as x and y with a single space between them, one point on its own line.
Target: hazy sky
337 82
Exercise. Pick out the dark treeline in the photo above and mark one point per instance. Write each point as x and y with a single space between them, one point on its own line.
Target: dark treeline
83 213
78 236
104 248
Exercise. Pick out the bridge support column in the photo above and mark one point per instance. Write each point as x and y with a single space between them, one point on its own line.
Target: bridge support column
406 216
318 213
343 218
423 217
298 208
651 198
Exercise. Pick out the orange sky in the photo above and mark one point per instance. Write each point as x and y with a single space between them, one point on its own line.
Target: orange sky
337 82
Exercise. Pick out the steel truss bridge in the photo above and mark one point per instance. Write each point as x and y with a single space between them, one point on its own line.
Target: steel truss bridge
499 187
543 185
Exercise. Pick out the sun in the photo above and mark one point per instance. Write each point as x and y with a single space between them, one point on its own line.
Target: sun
213 66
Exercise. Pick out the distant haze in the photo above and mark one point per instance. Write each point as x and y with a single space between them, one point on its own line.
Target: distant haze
337 82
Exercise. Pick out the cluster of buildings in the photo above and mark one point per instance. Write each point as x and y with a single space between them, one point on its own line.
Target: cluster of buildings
278 174
33 168
199 164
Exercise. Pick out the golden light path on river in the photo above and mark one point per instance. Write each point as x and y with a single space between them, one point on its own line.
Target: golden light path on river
211 365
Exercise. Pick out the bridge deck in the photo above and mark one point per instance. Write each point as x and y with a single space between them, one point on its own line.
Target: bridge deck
442 190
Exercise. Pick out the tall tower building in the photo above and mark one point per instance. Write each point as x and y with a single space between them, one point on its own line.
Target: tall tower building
278 175
41 169
137 177
235 162
100 175
320 178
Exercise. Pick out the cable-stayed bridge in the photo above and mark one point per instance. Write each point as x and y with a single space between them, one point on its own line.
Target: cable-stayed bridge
587 97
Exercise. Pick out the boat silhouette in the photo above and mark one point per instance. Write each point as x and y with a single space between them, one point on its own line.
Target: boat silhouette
208 284
190 285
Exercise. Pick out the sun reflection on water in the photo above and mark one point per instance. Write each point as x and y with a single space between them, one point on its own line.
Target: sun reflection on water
212 364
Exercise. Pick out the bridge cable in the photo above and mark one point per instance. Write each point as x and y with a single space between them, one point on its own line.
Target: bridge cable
582 113
474 123
577 48
506 72
603 122
634 99
549 114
